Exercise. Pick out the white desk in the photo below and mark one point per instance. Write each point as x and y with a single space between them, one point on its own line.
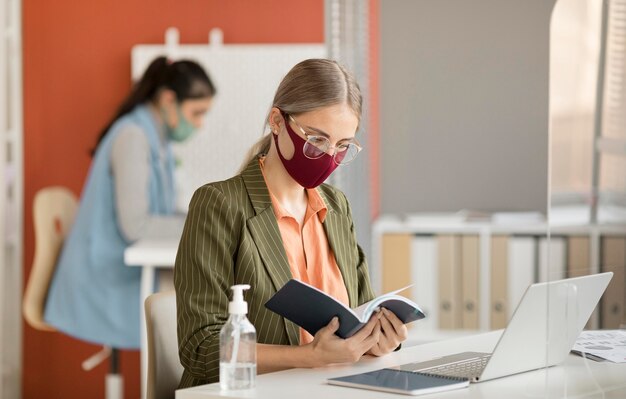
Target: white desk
574 378
158 250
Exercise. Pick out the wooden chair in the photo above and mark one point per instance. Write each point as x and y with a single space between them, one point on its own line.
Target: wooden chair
54 209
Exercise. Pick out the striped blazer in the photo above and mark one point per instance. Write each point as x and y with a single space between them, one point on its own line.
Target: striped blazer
231 236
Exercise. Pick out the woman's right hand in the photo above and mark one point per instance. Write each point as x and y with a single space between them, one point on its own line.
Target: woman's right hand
328 348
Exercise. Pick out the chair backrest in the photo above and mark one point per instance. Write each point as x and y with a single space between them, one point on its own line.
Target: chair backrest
164 368
54 209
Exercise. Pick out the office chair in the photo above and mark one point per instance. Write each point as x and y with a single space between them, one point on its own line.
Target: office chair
54 209
164 368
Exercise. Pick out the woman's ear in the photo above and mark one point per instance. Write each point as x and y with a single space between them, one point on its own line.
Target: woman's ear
275 120
166 97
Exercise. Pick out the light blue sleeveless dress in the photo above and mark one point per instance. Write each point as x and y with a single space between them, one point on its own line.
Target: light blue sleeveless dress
93 295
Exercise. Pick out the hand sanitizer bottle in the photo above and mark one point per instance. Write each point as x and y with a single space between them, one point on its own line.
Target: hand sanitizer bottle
238 345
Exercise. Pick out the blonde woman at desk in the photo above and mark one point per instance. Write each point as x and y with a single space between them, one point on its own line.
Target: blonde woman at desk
274 221
93 295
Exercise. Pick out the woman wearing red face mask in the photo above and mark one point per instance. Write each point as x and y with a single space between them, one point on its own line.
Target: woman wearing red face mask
275 221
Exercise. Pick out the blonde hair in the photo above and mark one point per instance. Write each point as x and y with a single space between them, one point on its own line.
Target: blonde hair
309 85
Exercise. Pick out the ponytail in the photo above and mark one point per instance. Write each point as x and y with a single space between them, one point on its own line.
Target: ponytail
186 78
142 91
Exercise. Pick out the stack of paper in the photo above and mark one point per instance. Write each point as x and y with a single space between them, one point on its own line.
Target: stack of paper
602 345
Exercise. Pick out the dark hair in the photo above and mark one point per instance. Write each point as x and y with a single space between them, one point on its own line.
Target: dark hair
187 79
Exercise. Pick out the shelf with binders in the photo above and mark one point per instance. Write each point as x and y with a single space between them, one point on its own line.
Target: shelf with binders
471 274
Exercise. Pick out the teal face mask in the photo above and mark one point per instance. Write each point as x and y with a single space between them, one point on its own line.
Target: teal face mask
183 130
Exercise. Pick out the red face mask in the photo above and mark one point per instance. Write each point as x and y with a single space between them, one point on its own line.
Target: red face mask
309 173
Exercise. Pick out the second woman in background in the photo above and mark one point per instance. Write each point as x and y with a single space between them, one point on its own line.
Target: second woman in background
93 295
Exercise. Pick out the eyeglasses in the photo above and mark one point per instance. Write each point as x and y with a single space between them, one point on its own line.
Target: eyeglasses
316 146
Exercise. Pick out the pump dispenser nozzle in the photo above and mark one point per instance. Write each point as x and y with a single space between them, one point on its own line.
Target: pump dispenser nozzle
238 305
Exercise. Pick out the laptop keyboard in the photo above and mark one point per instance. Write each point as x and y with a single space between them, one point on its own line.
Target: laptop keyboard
470 368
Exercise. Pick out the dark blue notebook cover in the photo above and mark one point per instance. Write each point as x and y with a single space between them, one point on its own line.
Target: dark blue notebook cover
312 309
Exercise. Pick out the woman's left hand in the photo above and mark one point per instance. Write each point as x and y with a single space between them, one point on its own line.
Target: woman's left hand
392 333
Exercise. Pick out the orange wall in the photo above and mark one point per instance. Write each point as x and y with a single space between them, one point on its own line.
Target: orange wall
76 70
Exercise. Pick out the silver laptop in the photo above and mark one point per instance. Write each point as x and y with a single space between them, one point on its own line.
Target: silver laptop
541 332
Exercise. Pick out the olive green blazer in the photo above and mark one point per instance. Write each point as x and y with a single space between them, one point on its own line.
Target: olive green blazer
231 237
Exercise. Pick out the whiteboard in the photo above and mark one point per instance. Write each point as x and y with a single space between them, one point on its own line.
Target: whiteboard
246 78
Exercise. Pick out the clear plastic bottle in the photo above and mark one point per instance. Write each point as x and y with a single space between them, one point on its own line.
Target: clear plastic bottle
238 345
